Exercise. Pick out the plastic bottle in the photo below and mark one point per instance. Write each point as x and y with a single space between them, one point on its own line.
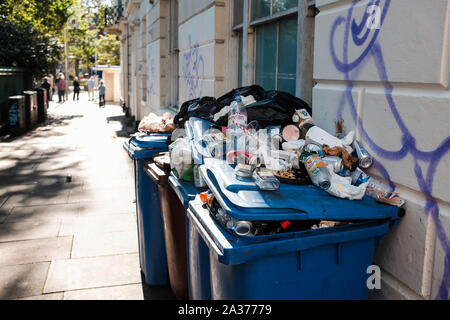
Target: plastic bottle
237 125
317 170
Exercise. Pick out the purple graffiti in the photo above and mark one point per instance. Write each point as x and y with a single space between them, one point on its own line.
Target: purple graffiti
193 69
351 70
150 77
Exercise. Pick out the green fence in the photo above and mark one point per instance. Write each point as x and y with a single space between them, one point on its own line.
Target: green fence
12 82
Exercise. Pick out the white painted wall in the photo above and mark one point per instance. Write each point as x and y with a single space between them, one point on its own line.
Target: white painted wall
398 85
202 44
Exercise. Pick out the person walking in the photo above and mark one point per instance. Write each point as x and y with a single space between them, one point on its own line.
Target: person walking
51 81
101 94
46 86
90 87
76 89
61 84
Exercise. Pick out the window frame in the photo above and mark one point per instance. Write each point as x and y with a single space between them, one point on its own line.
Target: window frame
272 18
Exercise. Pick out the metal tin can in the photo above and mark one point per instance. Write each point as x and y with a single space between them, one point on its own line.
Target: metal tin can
336 163
312 148
364 158
244 171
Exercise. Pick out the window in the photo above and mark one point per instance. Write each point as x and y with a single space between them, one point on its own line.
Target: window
238 12
266 8
240 59
276 55
275 42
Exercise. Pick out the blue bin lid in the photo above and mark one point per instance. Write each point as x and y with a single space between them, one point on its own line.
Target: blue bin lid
144 146
185 190
231 249
244 201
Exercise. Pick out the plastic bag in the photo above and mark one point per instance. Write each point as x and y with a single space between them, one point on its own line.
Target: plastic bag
275 109
157 124
181 162
203 108
256 91
341 187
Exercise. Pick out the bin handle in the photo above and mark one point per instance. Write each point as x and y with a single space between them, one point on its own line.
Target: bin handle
211 243
152 175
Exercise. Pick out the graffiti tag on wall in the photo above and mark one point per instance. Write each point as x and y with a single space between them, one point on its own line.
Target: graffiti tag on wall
371 51
193 67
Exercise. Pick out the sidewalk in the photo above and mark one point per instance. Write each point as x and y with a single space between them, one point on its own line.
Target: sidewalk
70 240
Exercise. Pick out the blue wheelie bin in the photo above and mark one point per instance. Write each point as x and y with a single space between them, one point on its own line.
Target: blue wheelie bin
199 287
325 263
152 251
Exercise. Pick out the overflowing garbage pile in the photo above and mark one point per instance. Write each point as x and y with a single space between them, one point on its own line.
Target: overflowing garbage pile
270 138
157 124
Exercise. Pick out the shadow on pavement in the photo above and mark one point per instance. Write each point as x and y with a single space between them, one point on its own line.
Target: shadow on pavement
125 130
157 292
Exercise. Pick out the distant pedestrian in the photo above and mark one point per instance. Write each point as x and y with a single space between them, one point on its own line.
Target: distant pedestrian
51 79
61 84
90 87
76 88
101 93
46 86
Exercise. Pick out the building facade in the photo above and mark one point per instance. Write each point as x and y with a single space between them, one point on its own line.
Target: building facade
380 66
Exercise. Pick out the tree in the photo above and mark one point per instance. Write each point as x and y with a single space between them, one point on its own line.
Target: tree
109 50
29 33
48 17
88 37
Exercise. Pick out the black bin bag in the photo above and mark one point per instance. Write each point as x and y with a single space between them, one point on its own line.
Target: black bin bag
276 109
256 91
203 108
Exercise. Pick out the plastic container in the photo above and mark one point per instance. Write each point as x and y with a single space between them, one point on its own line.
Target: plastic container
199 284
152 251
31 109
325 263
328 263
174 219
42 104
16 115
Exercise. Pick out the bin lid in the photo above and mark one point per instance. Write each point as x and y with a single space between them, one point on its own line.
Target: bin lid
155 173
162 160
244 201
185 190
144 146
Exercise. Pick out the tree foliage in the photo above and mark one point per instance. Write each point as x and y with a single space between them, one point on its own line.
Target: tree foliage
32 33
88 37
23 46
29 32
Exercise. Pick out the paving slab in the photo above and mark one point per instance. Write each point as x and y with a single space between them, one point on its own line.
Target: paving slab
31 251
28 230
86 273
23 280
4 212
97 224
88 244
105 194
43 212
51 296
39 196
128 292
107 208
